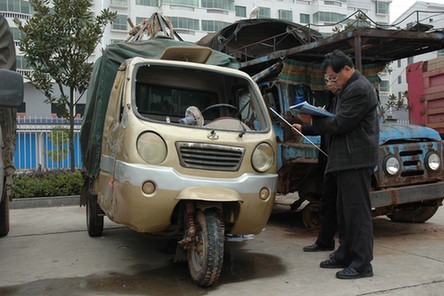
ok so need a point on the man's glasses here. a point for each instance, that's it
(333, 80)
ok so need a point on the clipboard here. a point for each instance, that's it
(307, 108)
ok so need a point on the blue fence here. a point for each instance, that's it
(43, 144)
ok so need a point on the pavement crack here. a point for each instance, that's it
(385, 291)
(412, 254)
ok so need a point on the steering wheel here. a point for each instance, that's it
(220, 106)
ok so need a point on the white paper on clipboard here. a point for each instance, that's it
(306, 108)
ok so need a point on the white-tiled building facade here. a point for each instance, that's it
(193, 19)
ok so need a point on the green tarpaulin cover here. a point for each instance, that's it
(102, 79)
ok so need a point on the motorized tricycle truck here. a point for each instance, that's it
(186, 149)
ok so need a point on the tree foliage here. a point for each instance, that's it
(57, 41)
(59, 138)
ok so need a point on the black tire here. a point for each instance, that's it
(418, 214)
(94, 216)
(205, 256)
(4, 217)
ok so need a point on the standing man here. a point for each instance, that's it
(326, 236)
(353, 154)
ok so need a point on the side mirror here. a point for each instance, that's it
(11, 88)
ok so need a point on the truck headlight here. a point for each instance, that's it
(152, 148)
(263, 157)
(433, 161)
(391, 165)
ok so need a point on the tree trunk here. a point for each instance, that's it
(71, 130)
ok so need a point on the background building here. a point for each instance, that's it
(430, 16)
(193, 19)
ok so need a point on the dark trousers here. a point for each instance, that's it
(355, 225)
(327, 213)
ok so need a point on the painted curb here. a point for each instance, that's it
(44, 202)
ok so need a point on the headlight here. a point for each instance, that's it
(433, 162)
(151, 148)
(263, 157)
(391, 165)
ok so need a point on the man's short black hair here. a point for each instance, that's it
(337, 60)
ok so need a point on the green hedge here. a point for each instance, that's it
(46, 183)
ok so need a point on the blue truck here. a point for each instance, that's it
(408, 183)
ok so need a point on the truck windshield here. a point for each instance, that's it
(196, 98)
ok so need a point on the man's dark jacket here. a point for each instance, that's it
(354, 129)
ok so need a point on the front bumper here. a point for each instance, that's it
(407, 194)
(152, 212)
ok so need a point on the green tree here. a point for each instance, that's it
(59, 137)
(57, 41)
(396, 103)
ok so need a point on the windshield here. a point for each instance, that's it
(196, 98)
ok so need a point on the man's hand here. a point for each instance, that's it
(305, 118)
(296, 126)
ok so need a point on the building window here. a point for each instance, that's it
(440, 53)
(241, 11)
(220, 4)
(119, 2)
(16, 33)
(21, 63)
(58, 110)
(410, 60)
(154, 3)
(334, 2)
(384, 86)
(399, 63)
(382, 7)
(264, 12)
(399, 95)
(194, 3)
(140, 20)
(120, 22)
(80, 109)
(399, 79)
(328, 17)
(184, 23)
(213, 26)
(304, 18)
(286, 15)
(22, 108)
(20, 6)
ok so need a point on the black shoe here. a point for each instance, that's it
(351, 273)
(332, 263)
(317, 248)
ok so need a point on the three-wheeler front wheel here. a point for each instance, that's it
(205, 255)
(94, 216)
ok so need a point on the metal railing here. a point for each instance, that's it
(42, 143)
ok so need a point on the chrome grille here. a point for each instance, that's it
(209, 156)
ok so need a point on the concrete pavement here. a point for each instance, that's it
(48, 252)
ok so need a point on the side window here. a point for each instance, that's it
(271, 98)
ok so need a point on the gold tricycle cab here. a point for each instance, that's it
(188, 150)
